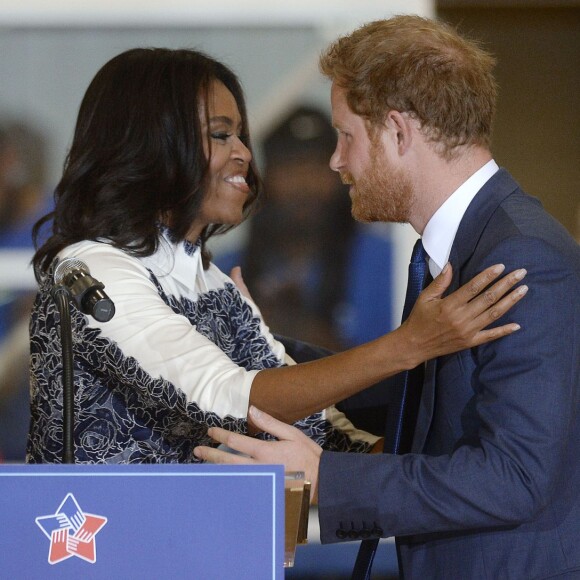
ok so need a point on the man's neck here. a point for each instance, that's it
(439, 178)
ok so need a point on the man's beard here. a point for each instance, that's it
(382, 194)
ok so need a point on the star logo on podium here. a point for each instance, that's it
(71, 532)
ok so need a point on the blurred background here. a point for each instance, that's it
(316, 274)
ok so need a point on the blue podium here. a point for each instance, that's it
(142, 521)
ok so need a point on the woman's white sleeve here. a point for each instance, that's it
(164, 343)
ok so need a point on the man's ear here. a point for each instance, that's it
(400, 128)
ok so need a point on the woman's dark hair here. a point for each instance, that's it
(137, 154)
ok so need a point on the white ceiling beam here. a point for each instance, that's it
(202, 13)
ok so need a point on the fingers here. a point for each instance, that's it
(489, 305)
(484, 336)
(475, 286)
(265, 422)
(248, 446)
(482, 297)
(217, 456)
(232, 440)
(236, 441)
(456, 322)
(253, 448)
(473, 292)
(496, 311)
(439, 285)
(294, 449)
(486, 300)
(236, 276)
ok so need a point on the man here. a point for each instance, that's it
(491, 487)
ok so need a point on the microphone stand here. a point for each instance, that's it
(62, 296)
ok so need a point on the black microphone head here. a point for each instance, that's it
(87, 292)
(66, 266)
(103, 309)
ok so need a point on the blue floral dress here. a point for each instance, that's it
(179, 356)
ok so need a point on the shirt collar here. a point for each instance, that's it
(180, 259)
(440, 231)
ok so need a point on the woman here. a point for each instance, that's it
(160, 161)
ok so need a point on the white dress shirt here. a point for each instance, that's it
(440, 231)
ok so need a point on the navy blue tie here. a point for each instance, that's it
(398, 434)
(402, 414)
(418, 269)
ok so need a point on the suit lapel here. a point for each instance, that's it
(475, 220)
(472, 225)
(426, 407)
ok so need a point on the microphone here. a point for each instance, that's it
(88, 293)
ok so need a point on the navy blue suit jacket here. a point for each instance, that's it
(492, 488)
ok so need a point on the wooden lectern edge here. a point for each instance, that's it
(296, 511)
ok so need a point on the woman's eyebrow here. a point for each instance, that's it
(222, 119)
(225, 120)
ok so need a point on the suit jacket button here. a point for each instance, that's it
(341, 534)
(366, 533)
(353, 535)
(377, 532)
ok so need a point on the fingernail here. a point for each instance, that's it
(521, 273)
(516, 327)
(445, 269)
(498, 268)
(255, 413)
(522, 290)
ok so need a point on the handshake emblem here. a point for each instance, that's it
(71, 532)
